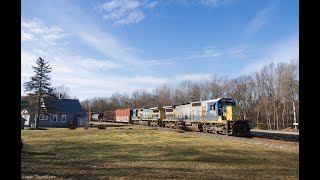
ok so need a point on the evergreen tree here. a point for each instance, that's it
(39, 85)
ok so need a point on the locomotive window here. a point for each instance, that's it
(212, 107)
(196, 104)
(229, 102)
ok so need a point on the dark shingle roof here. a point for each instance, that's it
(62, 105)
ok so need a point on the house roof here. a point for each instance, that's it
(62, 105)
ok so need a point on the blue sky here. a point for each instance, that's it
(97, 48)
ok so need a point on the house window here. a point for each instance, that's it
(41, 117)
(64, 118)
(54, 118)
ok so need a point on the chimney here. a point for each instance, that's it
(60, 96)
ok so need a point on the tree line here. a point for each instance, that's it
(266, 97)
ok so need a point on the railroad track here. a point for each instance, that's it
(278, 135)
(269, 142)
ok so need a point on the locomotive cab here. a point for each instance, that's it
(234, 125)
(226, 117)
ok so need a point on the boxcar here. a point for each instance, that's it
(109, 116)
(123, 115)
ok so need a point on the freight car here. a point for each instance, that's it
(108, 116)
(94, 116)
(123, 115)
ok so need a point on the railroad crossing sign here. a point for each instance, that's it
(295, 124)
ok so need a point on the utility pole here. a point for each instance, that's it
(294, 118)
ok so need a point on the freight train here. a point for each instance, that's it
(220, 115)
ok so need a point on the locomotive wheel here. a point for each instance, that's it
(204, 129)
(214, 130)
(224, 131)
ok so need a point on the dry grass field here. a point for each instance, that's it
(138, 152)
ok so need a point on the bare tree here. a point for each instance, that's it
(195, 91)
(62, 91)
(181, 92)
(218, 86)
(163, 95)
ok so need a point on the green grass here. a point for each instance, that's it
(143, 153)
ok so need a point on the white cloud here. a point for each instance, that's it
(152, 4)
(94, 64)
(35, 29)
(27, 36)
(133, 18)
(260, 20)
(193, 77)
(207, 54)
(106, 44)
(146, 80)
(122, 12)
(238, 52)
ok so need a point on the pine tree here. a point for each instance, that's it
(39, 85)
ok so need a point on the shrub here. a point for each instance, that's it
(101, 126)
(72, 126)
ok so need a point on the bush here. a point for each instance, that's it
(72, 126)
(101, 126)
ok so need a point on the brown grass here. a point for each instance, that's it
(144, 153)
